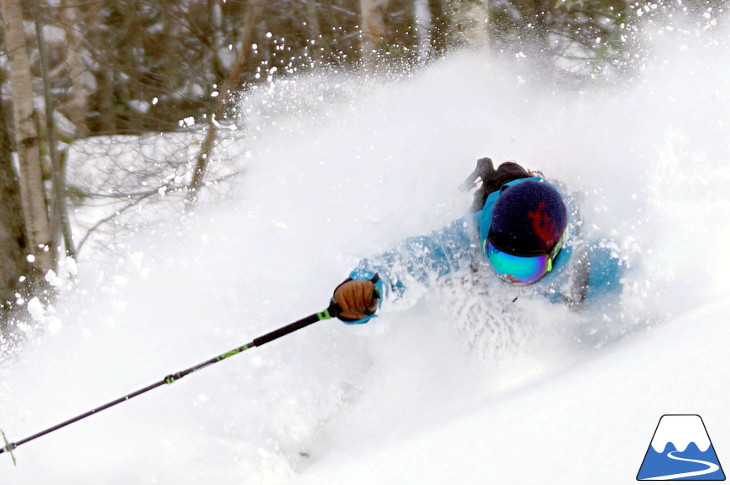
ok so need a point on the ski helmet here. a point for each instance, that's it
(526, 233)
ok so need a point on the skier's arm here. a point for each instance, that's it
(597, 271)
(605, 270)
(419, 259)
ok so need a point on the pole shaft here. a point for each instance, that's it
(86, 414)
(257, 342)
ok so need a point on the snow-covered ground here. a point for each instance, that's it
(339, 168)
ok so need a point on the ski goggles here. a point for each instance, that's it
(522, 269)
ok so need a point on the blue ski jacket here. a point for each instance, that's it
(583, 270)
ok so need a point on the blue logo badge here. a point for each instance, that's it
(681, 450)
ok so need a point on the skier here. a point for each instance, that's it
(522, 228)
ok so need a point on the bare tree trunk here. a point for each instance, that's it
(230, 83)
(104, 53)
(77, 106)
(170, 40)
(440, 19)
(422, 18)
(13, 265)
(372, 14)
(59, 220)
(107, 111)
(314, 33)
(26, 138)
(471, 19)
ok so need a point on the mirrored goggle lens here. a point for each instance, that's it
(518, 269)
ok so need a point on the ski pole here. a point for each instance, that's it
(330, 312)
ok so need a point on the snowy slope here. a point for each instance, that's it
(591, 424)
(338, 168)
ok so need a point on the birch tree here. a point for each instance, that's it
(373, 30)
(35, 215)
(77, 105)
(423, 27)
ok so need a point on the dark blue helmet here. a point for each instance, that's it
(528, 217)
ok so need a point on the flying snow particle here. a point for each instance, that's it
(71, 267)
(36, 310)
(53, 279)
(54, 325)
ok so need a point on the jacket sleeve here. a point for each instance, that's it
(421, 259)
(597, 270)
(605, 270)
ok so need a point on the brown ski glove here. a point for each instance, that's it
(356, 299)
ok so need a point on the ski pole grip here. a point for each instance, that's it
(286, 330)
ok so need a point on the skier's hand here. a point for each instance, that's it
(356, 299)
